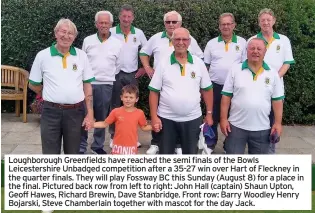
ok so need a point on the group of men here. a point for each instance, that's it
(241, 83)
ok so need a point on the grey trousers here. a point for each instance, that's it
(102, 94)
(57, 124)
(257, 141)
(186, 133)
(122, 79)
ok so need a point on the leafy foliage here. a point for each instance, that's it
(27, 27)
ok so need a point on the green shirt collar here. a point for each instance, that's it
(119, 31)
(245, 66)
(164, 35)
(99, 38)
(234, 38)
(260, 35)
(174, 60)
(55, 52)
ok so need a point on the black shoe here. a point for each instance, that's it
(99, 152)
(81, 153)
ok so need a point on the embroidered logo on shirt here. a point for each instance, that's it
(120, 118)
(278, 48)
(193, 74)
(267, 81)
(237, 48)
(134, 39)
(74, 67)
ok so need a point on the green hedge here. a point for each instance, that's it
(27, 27)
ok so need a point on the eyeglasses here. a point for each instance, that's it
(226, 25)
(169, 22)
(63, 33)
(177, 40)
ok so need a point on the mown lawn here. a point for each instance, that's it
(112, 211)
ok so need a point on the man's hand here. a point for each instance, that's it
(225, 126)
(156, 124)
(150, 71)
(141, 72)
(276, 128)
(208, 119)
(88, 121)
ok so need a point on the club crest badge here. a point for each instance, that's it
(237, 48)
(193, 74)
(134, 39)
(267, 81)
(74, 67)
(278, 48)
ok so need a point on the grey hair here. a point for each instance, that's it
(104, 13)
(127, 7)
(225, 15)
(256, 39)
(179, 17)
(267, 11)
(69, 23)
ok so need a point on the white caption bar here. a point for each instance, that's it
(142, 182)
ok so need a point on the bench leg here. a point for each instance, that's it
(17, 108)
(24, 111)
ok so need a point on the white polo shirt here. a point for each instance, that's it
(221, 55)
(62, 75)
(279, 51)
(179, 87)
(131, 46)
(104, 57)
(251, 96)
(160, 45)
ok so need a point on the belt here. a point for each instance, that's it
(65, 106)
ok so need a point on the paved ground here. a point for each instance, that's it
(24, 138)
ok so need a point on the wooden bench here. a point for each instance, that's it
(17, 78)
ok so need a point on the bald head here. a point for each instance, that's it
(181, 40)
(182, 31)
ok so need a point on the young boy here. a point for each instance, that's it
(126, 119)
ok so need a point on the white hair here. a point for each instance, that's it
(179, 17)
(104, 13)
(69, 23)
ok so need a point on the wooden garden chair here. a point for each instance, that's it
(15, 81)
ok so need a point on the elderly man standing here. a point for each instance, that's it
(104, 52)
(220, 53)
(161, 45)
(250, 88)
(179, 78)
(66, 75)
(279, 54)
(133, 39)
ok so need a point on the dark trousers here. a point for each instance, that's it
(272, 149)
(217, 89)
(257, 141)
(187, 132)
(57, 124)
(102, 94)
(122, 79)
(156, 137)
